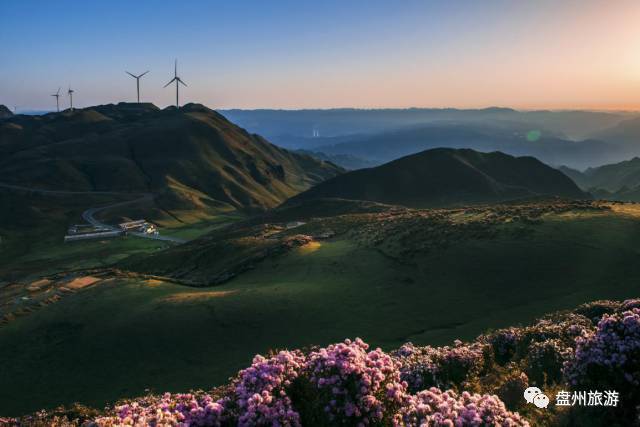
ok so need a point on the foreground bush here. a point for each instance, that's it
(609, 359)
(442, 367)
(596, 347)
(435, 407)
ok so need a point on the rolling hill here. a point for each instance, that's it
(444, 177)
(192, 158)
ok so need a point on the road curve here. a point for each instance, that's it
(88, 215)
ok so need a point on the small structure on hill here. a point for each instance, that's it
(132, 225)
(89, 232)
(139, 226)
(85, 228)
(94, 235)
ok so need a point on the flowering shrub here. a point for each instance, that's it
(435, 407)
(346, 384)
(504, 344)
(545, 360)
(444, 367)
(565, 327)
(167, 410)
(596, 309)
(512, 389)
(630, 304)
(355, 386)
(609, 358)
(261, 390)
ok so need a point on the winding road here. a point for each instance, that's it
(88, 215)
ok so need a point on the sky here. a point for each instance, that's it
(308, 54)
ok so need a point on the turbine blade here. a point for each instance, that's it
(172, 80)
(59, 91)
(175, 70)
(143, 74)
(131, 74)
(181, 81)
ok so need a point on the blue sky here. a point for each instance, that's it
(302, 54)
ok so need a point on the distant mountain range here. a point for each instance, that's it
(625, 132)
(193, 158)
(578, 139)
(508, 138)
(446, 177)
(618, 181)
(296, 128)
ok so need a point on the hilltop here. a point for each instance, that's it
(5, 112)
(445, 176)
(192, 158)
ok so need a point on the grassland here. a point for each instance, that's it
(32, 227)
(121, 337)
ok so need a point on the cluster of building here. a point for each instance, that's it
(90, 232)
(139, 226)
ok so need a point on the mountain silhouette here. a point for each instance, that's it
(445, 177)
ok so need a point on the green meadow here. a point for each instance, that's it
(121, 337)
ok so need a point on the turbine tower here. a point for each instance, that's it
(57, 96)
(70, 92)
(137, 82)
(178, 80)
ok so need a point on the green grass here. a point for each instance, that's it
(117, 339)
(193, 231)
(32, 229)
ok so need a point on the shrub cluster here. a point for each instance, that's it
(595, 347)
(442, 367)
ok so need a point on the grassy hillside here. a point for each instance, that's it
(389, 276)
(32, 227)
(199, 170)
(444, 176)
(193, 158)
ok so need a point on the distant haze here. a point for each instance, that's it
(287, 54)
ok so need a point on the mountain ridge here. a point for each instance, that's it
(193, 157)
(445, 177)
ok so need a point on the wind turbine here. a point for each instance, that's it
(57, 96)
(70, 92)
(137, 82)
(177, 80)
